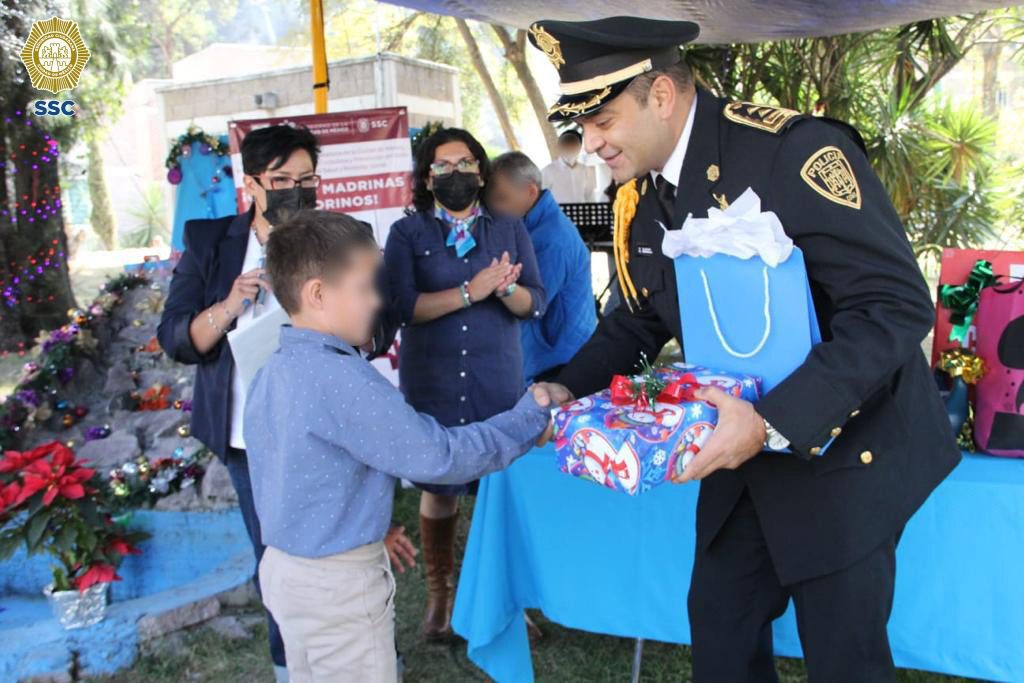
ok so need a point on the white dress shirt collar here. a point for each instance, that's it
(674, 166)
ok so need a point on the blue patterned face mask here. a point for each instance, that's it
(460, 236)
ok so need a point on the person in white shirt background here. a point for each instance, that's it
(569, 179)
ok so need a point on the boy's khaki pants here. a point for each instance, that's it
(336, 613)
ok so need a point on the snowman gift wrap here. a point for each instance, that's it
(642, 431)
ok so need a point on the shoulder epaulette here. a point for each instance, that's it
(761, 116)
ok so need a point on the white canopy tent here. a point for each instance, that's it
(721, 21)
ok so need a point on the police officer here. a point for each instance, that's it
(867, 433)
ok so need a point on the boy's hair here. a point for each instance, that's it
(267, 149)
(311, 244)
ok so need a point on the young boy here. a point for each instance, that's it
(327, 438)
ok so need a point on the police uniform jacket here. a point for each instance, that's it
(865, 395)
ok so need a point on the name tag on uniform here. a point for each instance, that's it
(644, 250)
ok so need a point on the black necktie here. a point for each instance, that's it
(666, 199)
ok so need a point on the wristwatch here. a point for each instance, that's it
(773, 439)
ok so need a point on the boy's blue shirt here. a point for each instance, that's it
(327, 436)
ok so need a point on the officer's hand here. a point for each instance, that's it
(738, 437)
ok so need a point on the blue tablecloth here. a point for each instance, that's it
(601, 561)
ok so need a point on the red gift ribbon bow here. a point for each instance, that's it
(682, 390)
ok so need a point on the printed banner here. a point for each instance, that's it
(365, 162)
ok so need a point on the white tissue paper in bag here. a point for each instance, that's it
(742, 230)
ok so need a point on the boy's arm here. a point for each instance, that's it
(382, 431)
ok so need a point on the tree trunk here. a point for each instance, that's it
(990, 53)
(492, 90)
(102, 215)
(515, 53)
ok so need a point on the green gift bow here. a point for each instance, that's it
(962, 300)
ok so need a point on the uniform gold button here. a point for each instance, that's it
(836, 431)
(645, 292)
(855, 413)
(815, 451)
(866, 457)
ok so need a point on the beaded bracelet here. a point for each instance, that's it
(213, 323)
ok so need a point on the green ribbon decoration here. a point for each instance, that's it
(962, 300)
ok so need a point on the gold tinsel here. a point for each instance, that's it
(962, 363)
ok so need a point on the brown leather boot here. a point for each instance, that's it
(437, 537)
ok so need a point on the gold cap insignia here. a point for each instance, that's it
(54, 55)
(771, 119)
(572, 109)
(829, 173)
(548, 44)
(713, 173)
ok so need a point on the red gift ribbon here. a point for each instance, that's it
(682, 390)
(622, 390)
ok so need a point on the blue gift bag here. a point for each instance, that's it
(746, 317)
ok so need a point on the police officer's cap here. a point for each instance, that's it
(597, 59)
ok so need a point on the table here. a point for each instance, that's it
(600, 561)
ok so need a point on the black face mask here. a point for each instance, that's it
(455, 191)
(283, 202)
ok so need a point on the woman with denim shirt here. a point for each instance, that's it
(460, 278)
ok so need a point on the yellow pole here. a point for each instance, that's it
(321, 84)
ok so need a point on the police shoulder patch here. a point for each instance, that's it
(829, 173)
(762, 116)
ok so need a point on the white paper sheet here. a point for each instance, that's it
(253, 345)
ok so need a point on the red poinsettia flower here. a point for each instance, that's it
(60, 475)
(97, 573)
(9, 494)
(14, 461)
(122, 547)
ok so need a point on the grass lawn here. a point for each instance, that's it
(562, 656)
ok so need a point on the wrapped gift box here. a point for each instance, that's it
(622, 440)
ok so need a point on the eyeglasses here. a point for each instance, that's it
(466, 165)
(284, 182)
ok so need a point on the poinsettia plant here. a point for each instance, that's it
(51, 502)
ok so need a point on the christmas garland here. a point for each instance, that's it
(36, 396)
(141, 482)
(182, 147)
